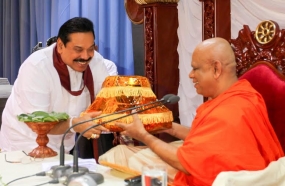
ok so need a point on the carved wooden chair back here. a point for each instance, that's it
(260, 57)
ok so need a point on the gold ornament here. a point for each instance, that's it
(265, 32)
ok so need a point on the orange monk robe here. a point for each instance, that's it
(229, 133)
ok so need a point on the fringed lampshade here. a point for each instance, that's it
(123, 92)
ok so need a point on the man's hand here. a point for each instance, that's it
(93, 132)
(135, 129)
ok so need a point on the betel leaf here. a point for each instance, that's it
(24, 117)
(41, 116)
(60, 116)
(50, 118)
(40, 113)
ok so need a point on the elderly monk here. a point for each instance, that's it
(64, 77)
(230, 132)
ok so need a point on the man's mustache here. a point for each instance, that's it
(82, 60)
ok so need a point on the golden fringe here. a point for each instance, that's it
(145, 118)
(127, 91)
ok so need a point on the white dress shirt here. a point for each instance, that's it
(38, 88)
(111, 67)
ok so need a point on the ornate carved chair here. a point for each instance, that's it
(260, 56)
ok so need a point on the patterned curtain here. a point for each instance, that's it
(24, 23)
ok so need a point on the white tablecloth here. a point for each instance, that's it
(11, 171)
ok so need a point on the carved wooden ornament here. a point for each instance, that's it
(267, 43)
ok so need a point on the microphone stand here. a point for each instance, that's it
(164, 99)
(97, 177)
(61, 169)
(75, 151)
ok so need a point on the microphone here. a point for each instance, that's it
(59, 170)
(88, 180)
(171, 99)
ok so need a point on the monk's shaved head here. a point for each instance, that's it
(218, 49)
(214, 67)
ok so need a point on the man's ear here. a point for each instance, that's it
(217, 69)
(59, 44)
(96, 47)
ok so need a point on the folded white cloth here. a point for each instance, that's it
(135, 157)
(272, 175)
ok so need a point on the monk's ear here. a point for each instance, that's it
(217, 68)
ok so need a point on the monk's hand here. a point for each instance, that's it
(168, 131)
(92, 133)
(135, 129)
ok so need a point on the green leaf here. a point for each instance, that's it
(50, 118)
(41, 116)
(60, 116)
(40, 113)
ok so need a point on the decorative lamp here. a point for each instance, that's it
(123, 92)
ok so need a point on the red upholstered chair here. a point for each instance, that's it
(260, 57)
(271, 85)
